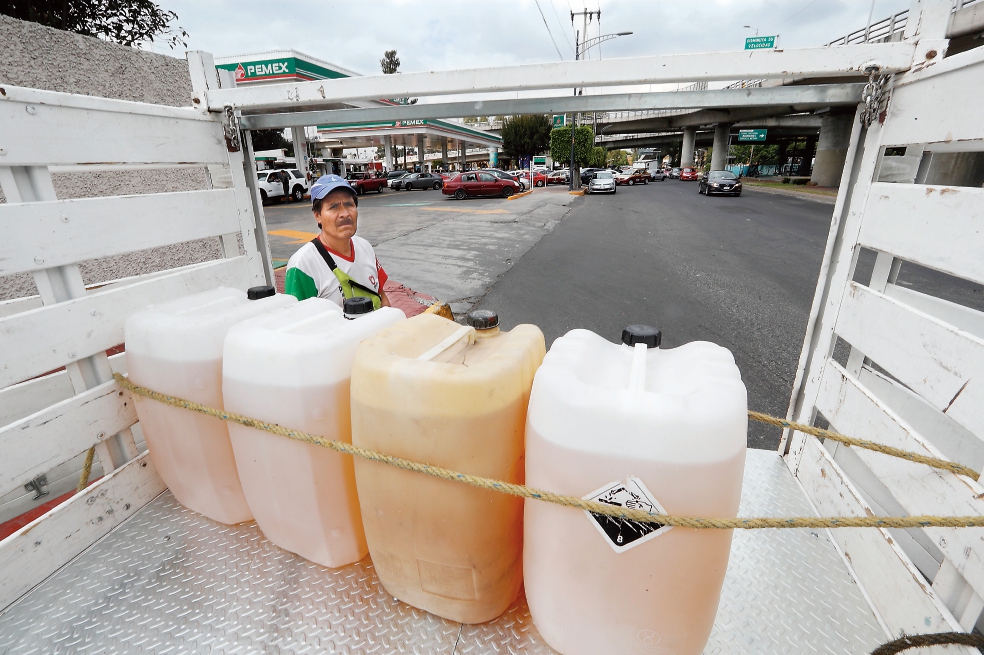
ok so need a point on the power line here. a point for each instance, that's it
(562, 30)
(793, 14)
(540, 9)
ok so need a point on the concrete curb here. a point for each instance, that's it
(519, 195)
(579, 192)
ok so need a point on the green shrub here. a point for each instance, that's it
(785, 180)
(801, 181)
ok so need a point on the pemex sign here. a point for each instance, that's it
(284, 68)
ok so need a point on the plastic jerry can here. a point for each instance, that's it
(635, 426)
(430, 390)
(176, 348)
(292, 367)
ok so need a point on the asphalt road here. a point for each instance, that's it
(739, 272)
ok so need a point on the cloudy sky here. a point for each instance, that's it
(438, 35)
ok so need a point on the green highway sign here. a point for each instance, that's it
(752, 135)
(760, 42)
(560, 121)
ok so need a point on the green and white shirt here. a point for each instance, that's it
(308, 275)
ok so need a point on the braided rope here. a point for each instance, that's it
(922, 641)
(959, 469)
(561, 499)
(86, 470)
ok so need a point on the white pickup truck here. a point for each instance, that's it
(271, 184)
(121, 566)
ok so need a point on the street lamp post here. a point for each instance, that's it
(579, 49)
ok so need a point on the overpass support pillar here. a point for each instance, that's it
(461, 155)
(835, 137)
(388, 145)
(444, 153)
(719, 156)
(687, 151)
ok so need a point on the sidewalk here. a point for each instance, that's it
(400, 296)
(818, 194)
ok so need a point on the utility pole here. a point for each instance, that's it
(586, 17)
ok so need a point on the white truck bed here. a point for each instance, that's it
(171, 581)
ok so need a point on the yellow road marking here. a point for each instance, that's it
(296, 235)
(464, 211)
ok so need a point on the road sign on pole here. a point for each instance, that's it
(752, 135)
(760, 42)
(560, 121)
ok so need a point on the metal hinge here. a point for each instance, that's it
(37, 486)
(230, 127)
(874, 96)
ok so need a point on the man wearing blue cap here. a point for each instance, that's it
(336, 264)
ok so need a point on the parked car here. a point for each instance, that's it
(539, 179)
(587, 174)
(363, 182)
(480, 183)
(689, 175)
(523, 181)
(418, 181)
(271, 184)
(559, 177)
(719, 182)
(657, 175)
(631, 178)
(393, 181)
(502, 175)
(674, 173)
(601, 182)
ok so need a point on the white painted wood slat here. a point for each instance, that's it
(853, 409)
(21, 400)
(59, 129)
(940, 362)
(939, 104)
(959, 316)
(39, 235)
(898, 592)
(54, 435)
(40, 548)
(41, 340)
(938, 227)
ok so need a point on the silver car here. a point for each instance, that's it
(602, 182)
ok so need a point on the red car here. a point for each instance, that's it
(539, 179)
(689, 175)
(479, 183)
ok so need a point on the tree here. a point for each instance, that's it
(390, 63)
(597, 158)
(617, 158)
(560, 144)
(271, 140)
(525, 136)
(126, 22)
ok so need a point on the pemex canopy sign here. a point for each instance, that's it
(284, 68)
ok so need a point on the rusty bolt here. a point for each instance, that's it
(101, 436)
(943, 542)
(3, 91)
(196, 101)
(931, 54)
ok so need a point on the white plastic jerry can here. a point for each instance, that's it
(176, 348)
(634, 426)
(292, 367)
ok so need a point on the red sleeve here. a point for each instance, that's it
(381, 274)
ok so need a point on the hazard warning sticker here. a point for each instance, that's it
(622, 534)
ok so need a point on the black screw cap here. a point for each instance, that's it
(357, 305)
(646, 334)
(255, 293)
(483, 319)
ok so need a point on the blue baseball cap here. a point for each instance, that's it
(328, 183)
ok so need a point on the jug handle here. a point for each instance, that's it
(637, 375)
(464, 330)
